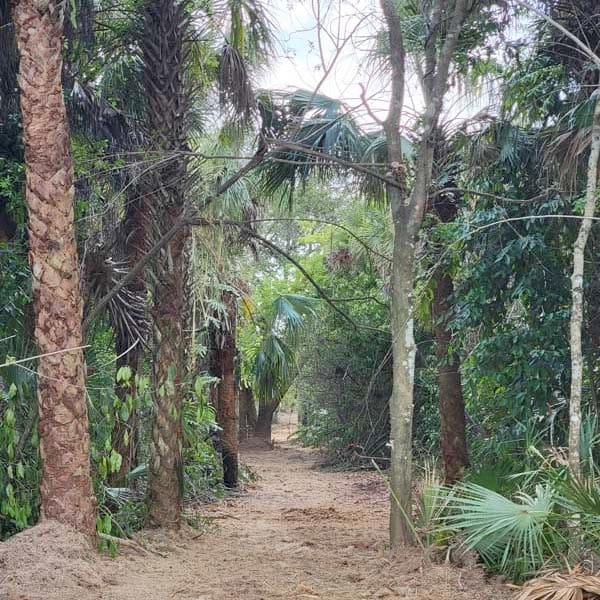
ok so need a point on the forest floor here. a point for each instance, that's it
(299, 532)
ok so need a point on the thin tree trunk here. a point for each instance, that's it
(401, 402)
(591, 197)
(453, 438)
(165, 50)
(226, 405)
(407, 216)
(66, 487)
(402, 323)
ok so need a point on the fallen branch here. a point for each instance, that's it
(128, 543)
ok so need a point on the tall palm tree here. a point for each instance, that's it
(66, 487)
(164, 44)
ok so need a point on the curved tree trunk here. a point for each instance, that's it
(66, 487)
(452, 406)
(164, 45)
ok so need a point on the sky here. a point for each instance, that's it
(331, 56)
(306, 51)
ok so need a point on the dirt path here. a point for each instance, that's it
(298, 533)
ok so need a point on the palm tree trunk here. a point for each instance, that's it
(66, 486)
(452, 406)
(164, 42)
(165, 486)
(453, 440)
(264, 422)
(226, 403)
(248, 415)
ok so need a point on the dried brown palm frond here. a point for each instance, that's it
(127, 309)
(575, 584)
(235, 87)
(566, 151)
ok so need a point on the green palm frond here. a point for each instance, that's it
(250, 29)
(518, 536)
(581, 500)
(315, 131)
(290, 314)
(274, 362)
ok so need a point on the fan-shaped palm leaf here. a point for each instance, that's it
(517, 536)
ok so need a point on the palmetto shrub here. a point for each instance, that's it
(516, 537)
(552, 521)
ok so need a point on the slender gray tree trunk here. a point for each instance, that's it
(403, 345)
(407, 214)
(401, 402)
(591, 198)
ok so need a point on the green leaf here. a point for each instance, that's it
(124, 413)
(115, 461)
(124, 374)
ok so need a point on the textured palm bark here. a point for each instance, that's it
(66, 486)
(165, 486)
(453, 439)
(248, 415)
(591, 198)
(226, 404)
(165, 48)
(264, 422)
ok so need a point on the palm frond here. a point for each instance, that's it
(318, 130)
(574, 585)
(127, 309)
(235, 88)
(519, 536)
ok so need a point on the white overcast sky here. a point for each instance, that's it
(301, 58)
(304, 52)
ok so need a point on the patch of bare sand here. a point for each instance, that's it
(298, 533)
(48, 562)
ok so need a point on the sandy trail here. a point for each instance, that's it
(299, 532)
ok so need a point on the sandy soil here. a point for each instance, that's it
(299, 532)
